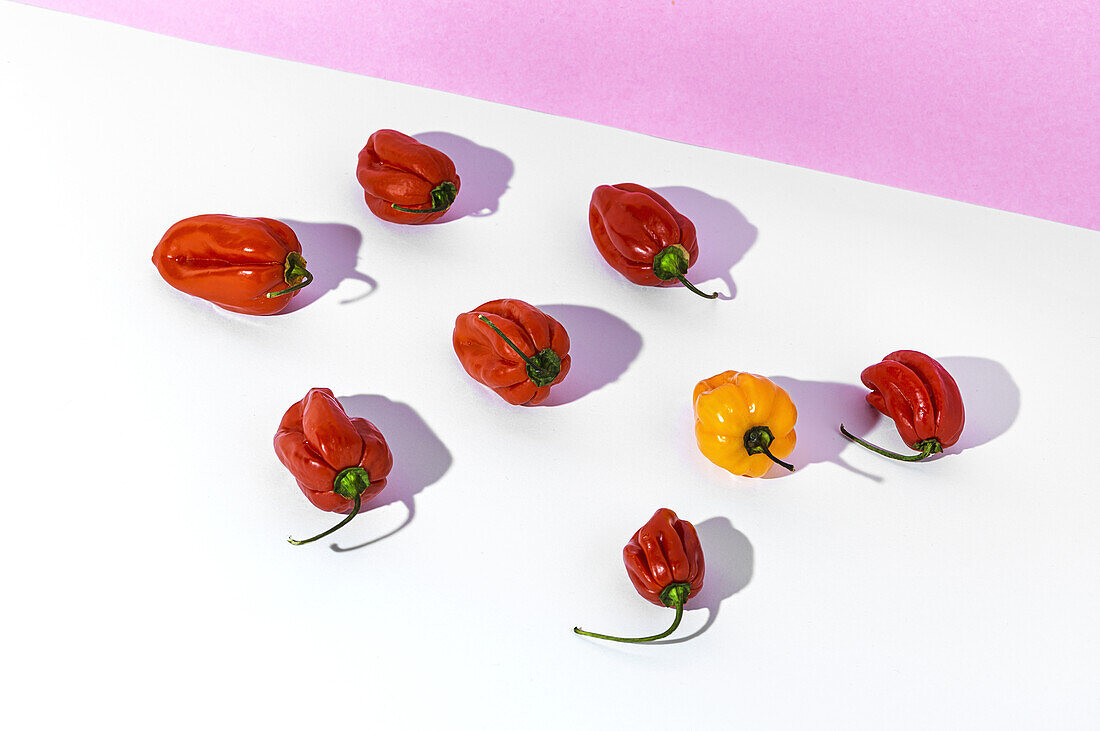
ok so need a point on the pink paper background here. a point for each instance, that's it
(994, 103)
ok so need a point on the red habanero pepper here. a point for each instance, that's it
(514, 348)
(339, 462)
(642, 236)
(249, 265)
(405, 181)
(921, 397)
(665, 563)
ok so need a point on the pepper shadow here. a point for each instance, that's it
(725, 235)
(331, 251)
(729, 567)
(484, 174)
(419, 457)
(991, 399)
(601, 347)
(822, 406)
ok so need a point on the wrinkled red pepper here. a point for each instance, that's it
(405, 181)
(921, 397)
(339, 462)
(665, 563)
(642, 236)
(514, 348)
(249, 265)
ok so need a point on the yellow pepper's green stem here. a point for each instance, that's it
(757, 441)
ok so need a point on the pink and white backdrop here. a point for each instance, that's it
(856, 593)
(992, 103)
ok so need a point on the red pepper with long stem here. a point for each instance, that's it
(514, 348)
(921, 397)
(339, 462)
(405, 181)
(642, 236)
(248, 265)
(665, 563)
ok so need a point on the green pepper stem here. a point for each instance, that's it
(436, 209)
(338, 526)
(443, 195)
(679, 606)
(294, 270)
(305, 282)
(775, 459)
(508, 340)
(671, 262)
(757, 441)
(693, 288)
(928, 447)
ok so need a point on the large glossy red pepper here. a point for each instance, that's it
(339, 462)
(405, 181)
(921, 397)
(642, 236)
(665, 563)
(249, 265)
(514, 348)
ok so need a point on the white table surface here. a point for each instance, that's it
(147, 579)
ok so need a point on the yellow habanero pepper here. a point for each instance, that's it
(743, 423)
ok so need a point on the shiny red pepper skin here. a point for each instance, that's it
(396, 170)
(919, 395)
(317, 442)
(664, 551)
(642, 236)
(491, 361)
(233, 262)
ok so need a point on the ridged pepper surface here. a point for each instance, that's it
(921, 397)
(744, 423)
(642, 236)
(248, 265)
(664, 561)
(405, 181)
(513, 348)
(338, 462)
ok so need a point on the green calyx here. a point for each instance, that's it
(673, 595)
(294, 274)
(542, 369)
(672, 262)
(443, 195)
(757, 441)
(350, 484)
(927, 448)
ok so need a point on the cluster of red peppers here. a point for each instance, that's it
(744, 423)
(255, 265)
